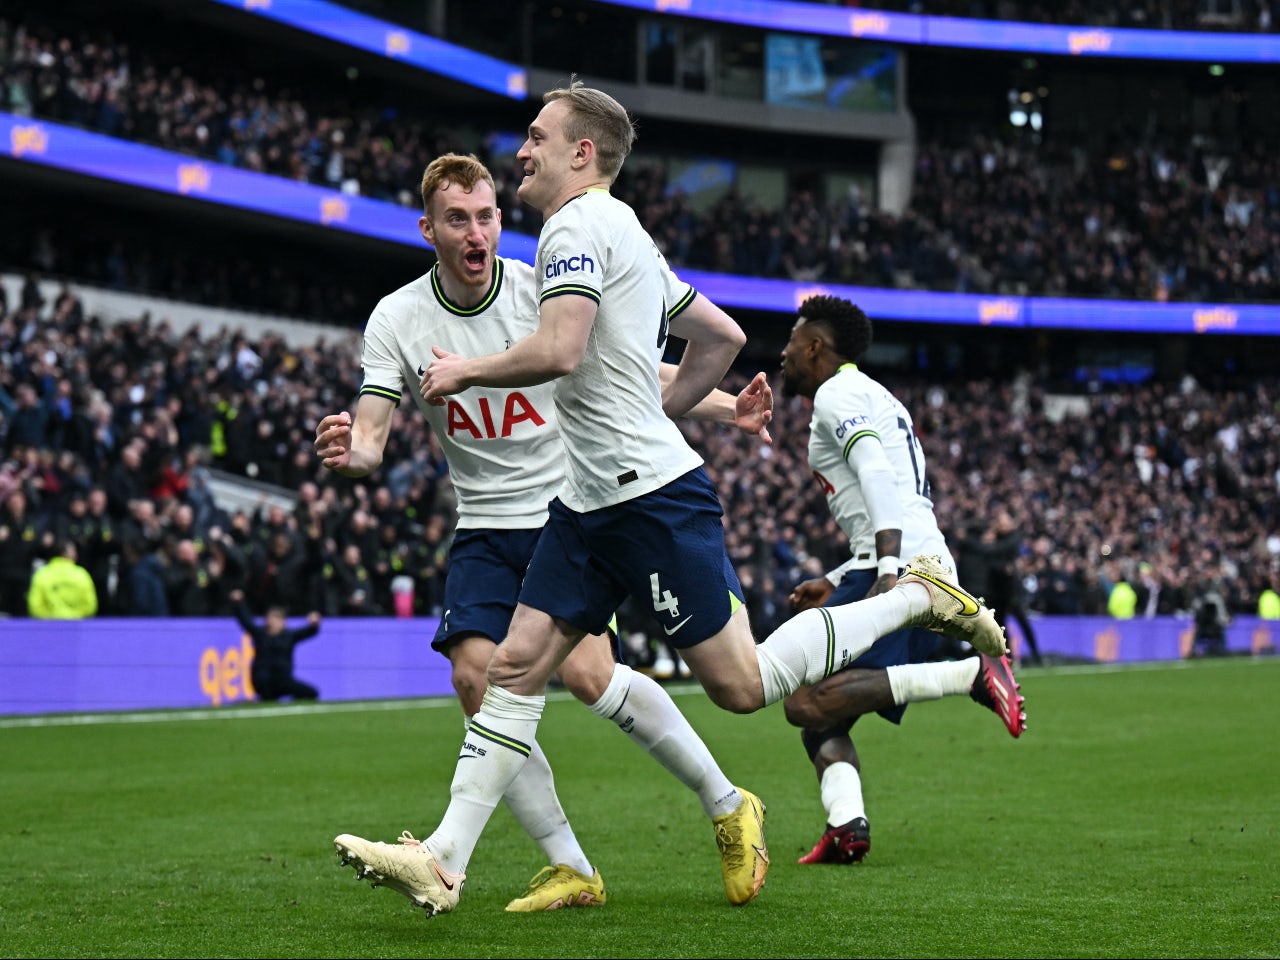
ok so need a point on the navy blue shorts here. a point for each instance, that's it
(665, 549)
(908, 645)
(486, 568)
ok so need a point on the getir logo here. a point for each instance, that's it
(224, 674)
(558, 265)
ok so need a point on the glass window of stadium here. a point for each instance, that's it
(740, 69)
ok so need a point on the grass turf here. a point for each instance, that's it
(1137, 817)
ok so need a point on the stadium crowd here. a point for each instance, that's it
(109, 432)
(1251, 16)
(1135, 216)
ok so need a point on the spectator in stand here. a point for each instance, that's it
(142, 581)
(29, 423)
(351, 584)
(62, 589)
(20, 533)
(1123, 601)
(192, 588)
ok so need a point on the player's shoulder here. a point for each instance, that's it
(516, 272)
(403, 300)
(593, 211)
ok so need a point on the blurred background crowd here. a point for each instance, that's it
(1131, 212)
(113, 432)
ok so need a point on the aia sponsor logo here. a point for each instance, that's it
(483, 422)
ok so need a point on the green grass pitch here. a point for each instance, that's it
(1139, 816)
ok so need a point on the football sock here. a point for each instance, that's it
(912, 682)
(842, 794)
(533, 802)
(647, 714)
(818, 642)
(498, 742)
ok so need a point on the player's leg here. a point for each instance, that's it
(847, 695)
(498, 743)
(742, 676)
(645, 712)
(532, 799)
(847, 837)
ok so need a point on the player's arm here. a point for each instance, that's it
(751, 409)
(553, 350)
(879, 486)
(354, 448)
(714, 339)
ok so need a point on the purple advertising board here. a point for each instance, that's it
(136, 664)
(126, 664)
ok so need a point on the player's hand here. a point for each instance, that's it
(754, 407)
(811, 593)
(333, 440)
(313, 618)
(884, 583)
(444, 376)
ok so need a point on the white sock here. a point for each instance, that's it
(842, 794)
(912, 682)
(532, 800)
(647, 714)
(820, 641)
(498, 743)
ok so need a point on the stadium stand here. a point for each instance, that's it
(1115, 450)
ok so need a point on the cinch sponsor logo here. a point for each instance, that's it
(193, 176)
(1219, 318)
(864, 24)
(850, 423)
(224, 674)
(397, 43)
(1003, 310)
(334, 210)
(1088, 41)
(30, 139)
(580, 262)
(517, 409)
(804, 293)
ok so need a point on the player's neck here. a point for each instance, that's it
(575, 190)
(465, 295)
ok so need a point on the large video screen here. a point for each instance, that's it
(828, 73)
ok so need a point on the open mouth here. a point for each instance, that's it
(476, 258)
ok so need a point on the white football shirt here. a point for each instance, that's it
(857, 421)
(619, 443)
(505, 454)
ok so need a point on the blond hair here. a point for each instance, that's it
(453, 168)
(596, 116)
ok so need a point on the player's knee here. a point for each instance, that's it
(734, 699)
(585, 684)
(800, 712)
(507, 668)
(469, 682)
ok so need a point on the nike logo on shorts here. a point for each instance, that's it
(671, 630)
